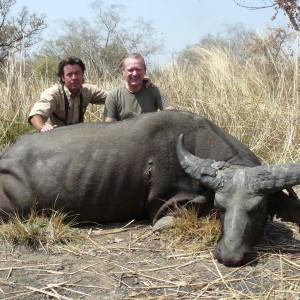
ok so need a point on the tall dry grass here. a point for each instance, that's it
(256, 100)
(19, 89)
(21, 86)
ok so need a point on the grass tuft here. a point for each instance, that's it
(193, 232)
(39, 229)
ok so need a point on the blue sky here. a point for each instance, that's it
(178, 22)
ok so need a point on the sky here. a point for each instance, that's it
(179, 22)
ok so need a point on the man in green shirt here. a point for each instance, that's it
(134, 98)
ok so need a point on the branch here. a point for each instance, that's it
(239, 3)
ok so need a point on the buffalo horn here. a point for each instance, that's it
(204, 170)
(272, 178)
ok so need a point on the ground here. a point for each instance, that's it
(133, 262)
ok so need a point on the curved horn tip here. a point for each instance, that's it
(180, 145)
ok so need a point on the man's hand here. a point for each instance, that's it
(38, 123)
(148, 82)
(47, 127)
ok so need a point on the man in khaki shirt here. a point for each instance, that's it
(134, 98)
(65, 103)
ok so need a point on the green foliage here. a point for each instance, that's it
(11, 130)
(45, 66)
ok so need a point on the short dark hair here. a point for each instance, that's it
(135, 56)
(69, 61)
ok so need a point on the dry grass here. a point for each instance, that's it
(38, 229)
(259, 107)
(257, 101)
(135, 263)
(190, 230)
(20, 89)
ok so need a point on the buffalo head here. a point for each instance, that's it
(242, 194)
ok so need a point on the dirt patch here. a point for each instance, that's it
(135, 263)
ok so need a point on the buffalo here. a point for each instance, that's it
(139, 168)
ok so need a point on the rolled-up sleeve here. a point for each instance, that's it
(97, 96)
(45, 105)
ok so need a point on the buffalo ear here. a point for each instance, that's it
(284, 207)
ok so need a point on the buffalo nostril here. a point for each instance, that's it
(234, 260)
(247, 257)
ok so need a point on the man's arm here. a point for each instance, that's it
(110, 110)
(97, 95)
(38, 123)
(43, 108)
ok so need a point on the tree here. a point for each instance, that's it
(104, 42)
(235, 39)
(18, 32)
(290, 8)
(269, 50)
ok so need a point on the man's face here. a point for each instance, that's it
(134, 72)
(73, 78)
